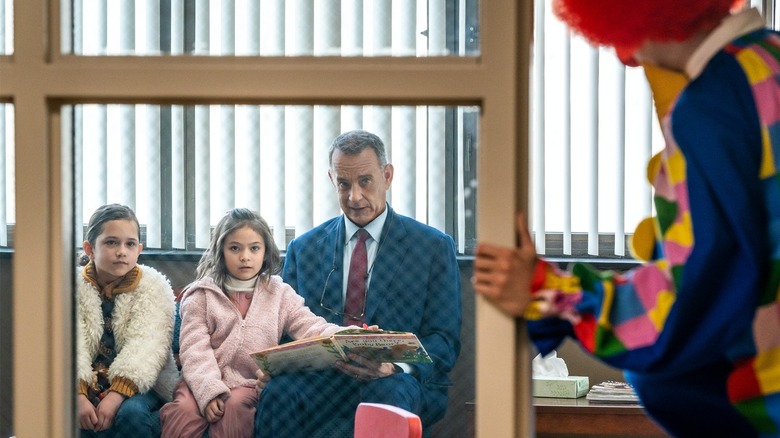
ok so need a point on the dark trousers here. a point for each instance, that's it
(323, 404)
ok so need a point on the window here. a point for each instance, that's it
(54, 90)
(593, 131)
(182, 167)
(7, 211)
(272, 28)
(6, 27)
(283, 145)
(592, 118)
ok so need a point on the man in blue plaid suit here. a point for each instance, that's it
(413, 285)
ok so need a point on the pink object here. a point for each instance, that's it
(376, 420)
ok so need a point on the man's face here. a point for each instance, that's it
(361, 183)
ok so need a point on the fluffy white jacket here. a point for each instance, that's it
(143, 327)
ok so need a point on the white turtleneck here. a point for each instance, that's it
(240, 292)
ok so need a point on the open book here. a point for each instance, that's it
(324, 351)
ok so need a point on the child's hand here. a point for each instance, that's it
(86, 413)
(106, 410)
(262, 380)
(214, 410)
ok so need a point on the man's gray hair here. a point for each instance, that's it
(354, 142)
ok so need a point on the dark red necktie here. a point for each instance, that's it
(355, 303)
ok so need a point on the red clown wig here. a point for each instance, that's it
(625, 24)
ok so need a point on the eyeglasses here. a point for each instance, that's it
(368, 274)
(358, 318)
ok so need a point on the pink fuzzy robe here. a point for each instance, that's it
(216, 341)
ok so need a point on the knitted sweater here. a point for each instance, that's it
(142, 321)
(216, 341)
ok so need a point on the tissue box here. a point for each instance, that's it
(561, 387)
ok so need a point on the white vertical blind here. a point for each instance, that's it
(326, 127)
(612, 201)
(149, 184)
(460, 195)
(641, 140)
(591, 193)
(326, 28)
(222, 159)
(421, 163)
(615, 156)
(584, 135)
(247, 186)
(403, 156)
(298, 29)
(537, 171)
(202, 26)
(147, 37)
(202, 133)
(378, 119)
(566, 131)
(3, 171)
(178, 179)
(148, 131)
(299, 162)
(5, 48)
(376, 27)
(121, 153)
(404, 25)
(93, 138)
(437, 161)
(177, 27)
(437, 27)
(174, 163)
(351, 27)
(272, 173)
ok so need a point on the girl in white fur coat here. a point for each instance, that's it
(124, 325)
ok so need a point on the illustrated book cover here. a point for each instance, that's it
(324, 351)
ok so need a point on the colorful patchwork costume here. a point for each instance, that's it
(697, 328)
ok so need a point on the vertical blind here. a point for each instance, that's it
(593, 132)
(7, 186)
(182, 167)
(591, 119)
(169, 161)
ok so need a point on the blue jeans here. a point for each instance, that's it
(138, 416)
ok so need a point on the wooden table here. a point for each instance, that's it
(567, 416)
(580, 417)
